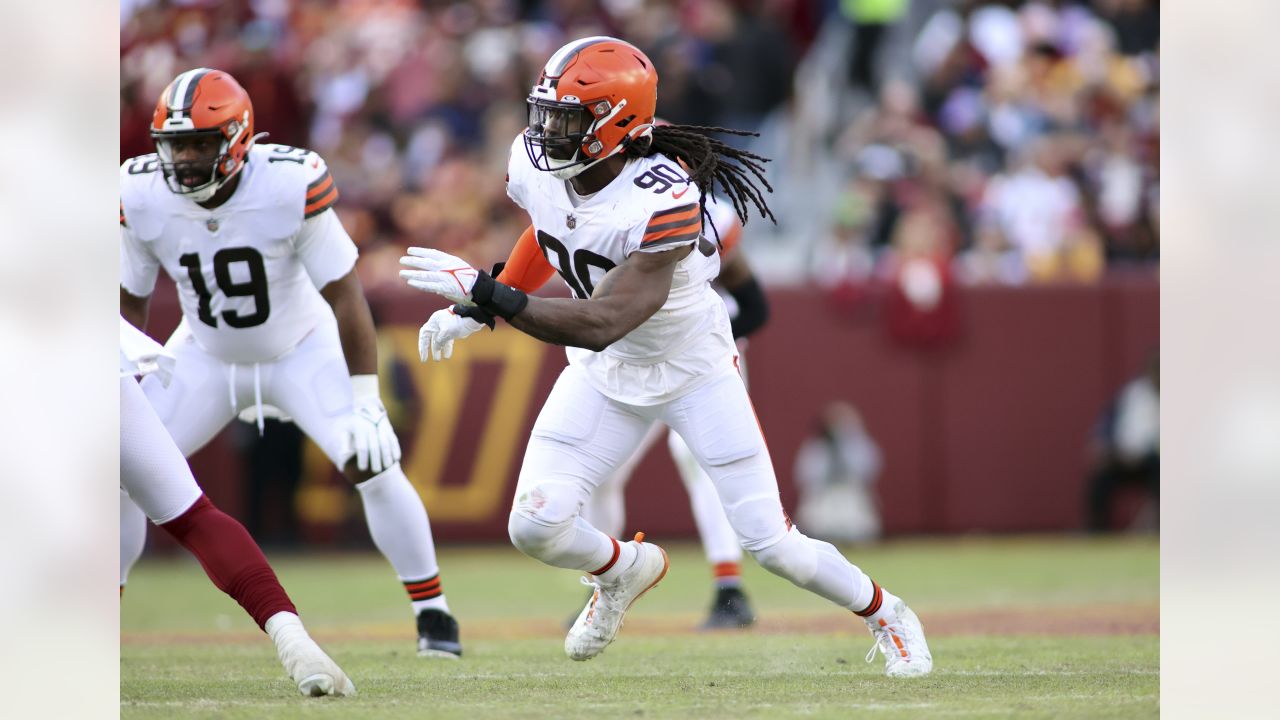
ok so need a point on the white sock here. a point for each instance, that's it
(399, 527)
(626, 558)
(133, 535)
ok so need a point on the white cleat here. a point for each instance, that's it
(315, 672)
(600, 620)
(906, 654)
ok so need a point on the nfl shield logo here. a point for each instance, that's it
(571, 221)
(212, 224)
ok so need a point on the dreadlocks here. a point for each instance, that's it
(711, 162)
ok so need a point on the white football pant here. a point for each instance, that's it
(581, 437)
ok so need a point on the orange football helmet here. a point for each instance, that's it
(595, 96)
(202, 108)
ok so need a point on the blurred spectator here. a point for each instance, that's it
(871, 21)
(415, 102)
(835, 469)
(1126, 448)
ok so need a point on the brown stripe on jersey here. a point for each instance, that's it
(672, 240)
(321, 203)
(673, 222)
(672, 211)
(319, 185)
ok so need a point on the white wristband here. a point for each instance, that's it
(364, 387)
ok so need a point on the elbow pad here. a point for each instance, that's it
(496, 298)
(753, 308)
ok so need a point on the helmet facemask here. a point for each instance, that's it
(561, 134)
(197, 163)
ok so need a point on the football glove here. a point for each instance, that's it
(440, 273)
(435, 339)
(374, 440)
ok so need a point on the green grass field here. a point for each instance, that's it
(1019, 628)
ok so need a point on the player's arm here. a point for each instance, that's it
(139, 268)
(627, 296)
(753, 306)
(134, 309)
(526, 269)
(355, 323)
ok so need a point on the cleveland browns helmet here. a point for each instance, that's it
(202, 104)
(595, 96)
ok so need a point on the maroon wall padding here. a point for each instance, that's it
(986, 433)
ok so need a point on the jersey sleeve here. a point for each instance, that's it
(325, 248)
(139, 266)
(667, 229)
(517, 161)
(322, 192)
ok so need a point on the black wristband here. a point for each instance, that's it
(496, 298)
(476, 313)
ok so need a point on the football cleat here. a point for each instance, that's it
(315, 673)
(438, 635)
(730, 609)
(600, 620)
(901, 641)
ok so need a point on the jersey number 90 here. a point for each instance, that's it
(255, 286)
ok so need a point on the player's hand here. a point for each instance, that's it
(435, 339)
(376, 445)
(440, 273)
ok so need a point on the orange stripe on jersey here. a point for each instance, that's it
(321, 195)
(122, 220)
(672, 226)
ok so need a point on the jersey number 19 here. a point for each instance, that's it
(255, 286)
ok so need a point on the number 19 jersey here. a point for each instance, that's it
(651, 206)
(249, 271)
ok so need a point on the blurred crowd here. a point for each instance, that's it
(1007, 141)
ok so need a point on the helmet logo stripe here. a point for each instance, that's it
(556, 65)
(184, 91)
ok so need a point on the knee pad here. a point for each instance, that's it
(539, 518)
(793, 557)
(529, 536)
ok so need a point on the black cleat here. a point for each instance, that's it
(730, 609)
(438, 635)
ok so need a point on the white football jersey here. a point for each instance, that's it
(249, 271)
(650, 207)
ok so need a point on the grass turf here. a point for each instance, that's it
(189, 651)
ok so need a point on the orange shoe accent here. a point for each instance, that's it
(896, 640)
(639, 537)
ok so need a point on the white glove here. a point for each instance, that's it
(371, 433)
(439, 273)
(435, 339)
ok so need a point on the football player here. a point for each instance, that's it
(154, 473)
(606, 510)
(648, 340)
(274, 315)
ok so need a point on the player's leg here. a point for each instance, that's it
(730, 607)
(581, 437)
(193, 408)
(133, 535)
(718, 422)
(155, 474)
(311, 385)
(606, 508)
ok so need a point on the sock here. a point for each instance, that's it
(231, 559)
(398, 524)
(133, 536)
(624, 556)
(727, 574)
(425, 594)
(881, 603)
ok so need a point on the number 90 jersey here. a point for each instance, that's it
(650, 207)
(249, 271)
